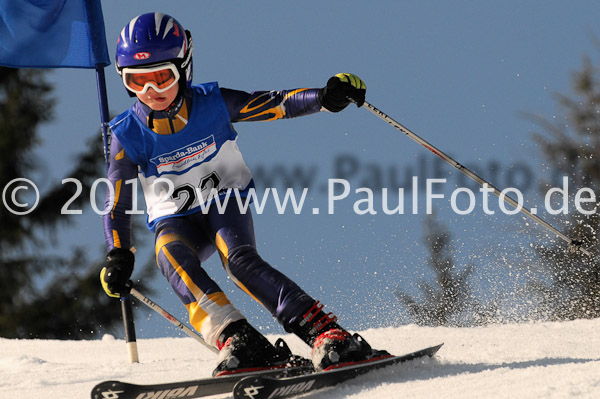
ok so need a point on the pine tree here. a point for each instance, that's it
(572, 286)
(43, 295)
(448, 302)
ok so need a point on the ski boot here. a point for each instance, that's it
(332, 345)
(244, 349)
(337, 348)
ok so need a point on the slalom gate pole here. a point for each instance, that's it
(126, 308)
(573, 245)
(129, 326)
(152, 305)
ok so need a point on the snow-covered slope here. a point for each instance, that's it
(544, 360)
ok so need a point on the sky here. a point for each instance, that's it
(460, 74)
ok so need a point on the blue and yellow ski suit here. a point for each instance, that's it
(179, 155)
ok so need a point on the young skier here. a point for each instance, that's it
(178, 139)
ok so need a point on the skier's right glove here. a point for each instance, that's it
(114, 277)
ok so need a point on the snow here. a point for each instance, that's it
(537, 360)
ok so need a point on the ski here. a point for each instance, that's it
(186, 389)
(265, 387)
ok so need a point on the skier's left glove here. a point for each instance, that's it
(114, 277)
(341, 89)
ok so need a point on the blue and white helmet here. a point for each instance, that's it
(155, 38)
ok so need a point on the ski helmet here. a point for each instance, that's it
(154, 38)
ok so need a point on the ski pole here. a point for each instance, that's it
(152, 305)
(573, 244)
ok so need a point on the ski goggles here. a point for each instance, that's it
(161, 78)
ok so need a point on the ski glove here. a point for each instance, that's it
(341, 89)
(114, 277)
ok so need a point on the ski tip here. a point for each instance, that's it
(103, 388)
(109, 384)
(433, 350)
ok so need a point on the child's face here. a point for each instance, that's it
(159, 101)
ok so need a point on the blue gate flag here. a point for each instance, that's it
(52, 34)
